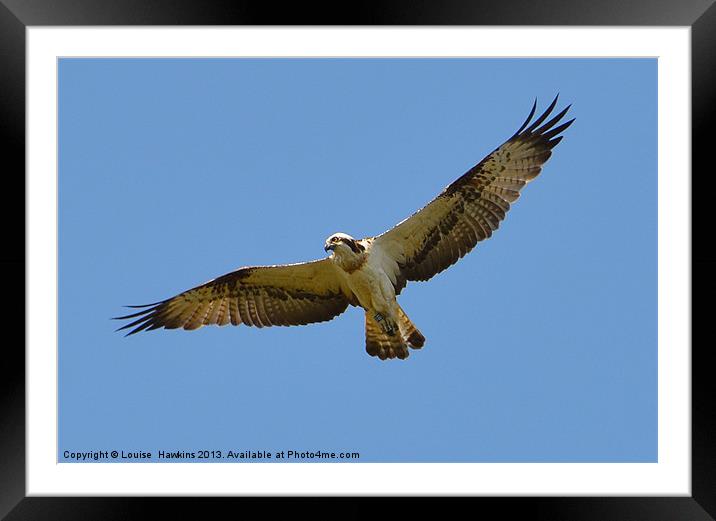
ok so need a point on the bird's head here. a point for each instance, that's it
(343, 244)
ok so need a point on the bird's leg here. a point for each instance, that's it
(387, 325)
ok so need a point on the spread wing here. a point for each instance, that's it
(285, 295)
(471, 209)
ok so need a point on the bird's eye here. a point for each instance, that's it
(334, 239)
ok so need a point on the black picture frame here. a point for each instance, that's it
(16, 15)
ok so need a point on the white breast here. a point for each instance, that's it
(372, 284)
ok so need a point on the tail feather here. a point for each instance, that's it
(384, 346)
(408, 330)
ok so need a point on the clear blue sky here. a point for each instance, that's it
(541, 343)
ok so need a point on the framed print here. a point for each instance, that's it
(553, 367)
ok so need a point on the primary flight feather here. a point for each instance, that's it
(371, 272)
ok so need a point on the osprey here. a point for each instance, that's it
(371, 272)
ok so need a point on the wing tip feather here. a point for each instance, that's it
(527, 121)
(534, 128)
(555, 131)
(544, 115)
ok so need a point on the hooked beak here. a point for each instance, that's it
(329, 247)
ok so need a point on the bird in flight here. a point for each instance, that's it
(371, 272)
